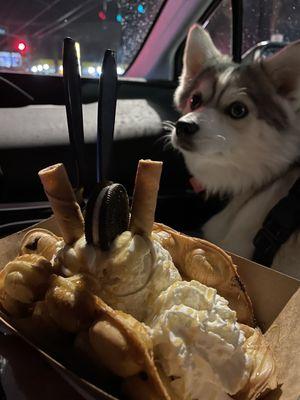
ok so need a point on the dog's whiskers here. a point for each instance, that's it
(168, 126)
(165, 140)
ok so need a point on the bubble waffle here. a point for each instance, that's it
(204, 262)
(25, 280)
(39, 241)
(127, 346)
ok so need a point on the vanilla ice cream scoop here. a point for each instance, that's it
(81, 257)
(198, 342)
(132, 273)
(135, 273)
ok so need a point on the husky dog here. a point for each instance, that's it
(240, 135)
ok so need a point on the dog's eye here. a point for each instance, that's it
(196, 101)
(237, 110)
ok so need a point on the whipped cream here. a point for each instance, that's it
(198, 342)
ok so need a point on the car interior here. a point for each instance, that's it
(148, 38)
(34, 130)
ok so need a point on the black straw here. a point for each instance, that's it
(72, 85)
(107, 99)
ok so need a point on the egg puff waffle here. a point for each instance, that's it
(129, 336)
(58, 306)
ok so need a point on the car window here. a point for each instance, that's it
(31, 32)
(274, 20)
(219, 27)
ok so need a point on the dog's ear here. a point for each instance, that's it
(199, 51)
(284, 69)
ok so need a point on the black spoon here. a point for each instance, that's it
(107, 99)
(72, 86)
(107, 211)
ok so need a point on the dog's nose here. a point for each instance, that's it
(186, 128)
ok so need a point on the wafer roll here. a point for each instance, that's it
(145, 196)
(63, 202)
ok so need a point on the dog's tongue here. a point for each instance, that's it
(196, 185)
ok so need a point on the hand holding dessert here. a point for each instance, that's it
(140, 298)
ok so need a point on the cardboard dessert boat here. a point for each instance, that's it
(276, 302)
(271, 294)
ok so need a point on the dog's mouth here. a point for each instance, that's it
(183, 143)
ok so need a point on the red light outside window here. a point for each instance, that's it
(21, 45)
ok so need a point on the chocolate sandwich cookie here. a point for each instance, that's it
(107, 215)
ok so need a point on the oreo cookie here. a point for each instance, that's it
(107, 215)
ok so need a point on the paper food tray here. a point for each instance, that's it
(276, 302)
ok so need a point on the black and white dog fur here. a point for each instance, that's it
(240, 135)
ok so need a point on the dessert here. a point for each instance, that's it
(39, 241)
(150, 306)
(24, 281)
(202, 261)
(198, 342)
